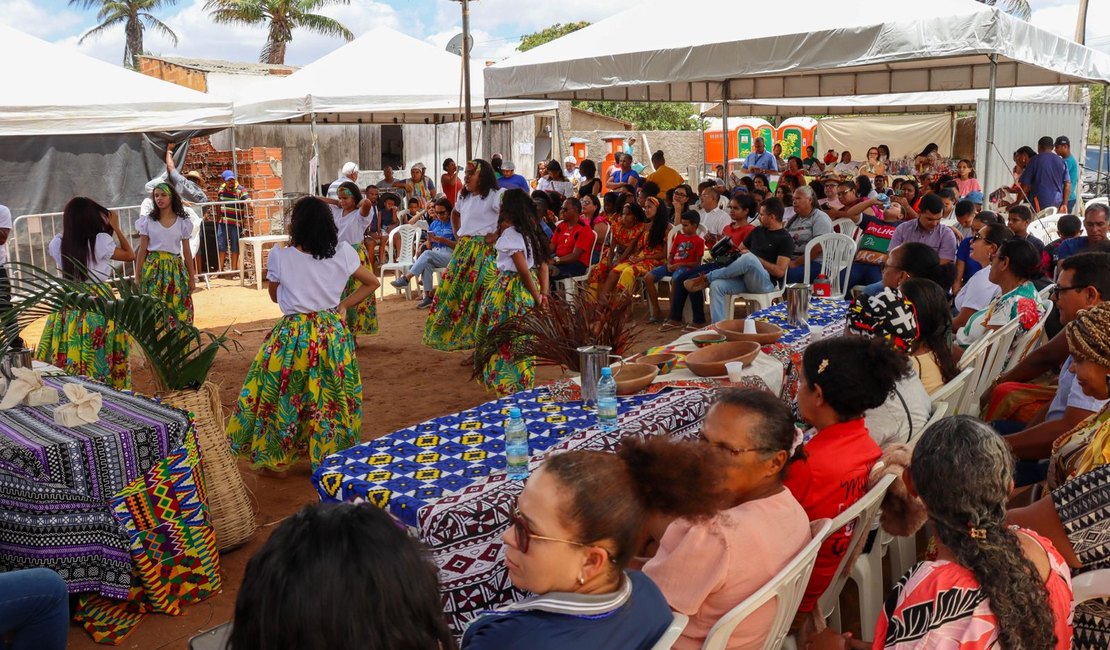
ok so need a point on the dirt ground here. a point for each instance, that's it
(404, 383)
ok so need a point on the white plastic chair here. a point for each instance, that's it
(1090, 585)
(406, 257)
(999, 355)
(1050, 211)
(788, 587)
(950, 393)
(761, 300)
(678, 624)
(837, 253)
(569, 286)
(976, 358)
(213, 639)
(1045, 228)
(846, 226)
(1027, 342)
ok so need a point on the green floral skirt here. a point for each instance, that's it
(508, 298)
(363, 317)
(87, 345)
(452, 324)
(165, 277)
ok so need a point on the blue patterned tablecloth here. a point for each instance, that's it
(827, 313)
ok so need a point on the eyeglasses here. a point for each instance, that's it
(732, 450)
(1055, 291)
(884, 266)
(524, 534)
(977, 237)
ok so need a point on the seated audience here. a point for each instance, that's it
(626, 226)
(833, 396)
(713, 218)
(932, 353)
(854, 205)
(1095, 221)
(1068, 227)
(705, 568)
(436, 253)
(966, 182)
(807, 223)
(647, 252)
(911, 260)
(510, 179)
(967, 266)
(979, 291)
(873, 246)
(964, 213)
(1014, 266)
(1018, 218)
(684, 257)
(574, 530)
(571, 242)
(991, 585)
(926, 229)
(890, 318)
(664, 177)
(908, 195)
(385, 599)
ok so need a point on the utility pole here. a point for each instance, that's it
(466, 75)
(1081, 38)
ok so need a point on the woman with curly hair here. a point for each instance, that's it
(303, 393)
(647, 252)
(991, 585)
(164, 261)
(79, 342)
(452, 323)
(515, 289)
(351, 213)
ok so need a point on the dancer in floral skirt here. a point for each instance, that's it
(352, 217)
(163, 243)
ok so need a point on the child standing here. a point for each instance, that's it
(686, 252)
(351, 214)
(164, 258)
(303, 393)
(515, 289)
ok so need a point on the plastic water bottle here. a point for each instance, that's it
(516, 446)
(607, 401)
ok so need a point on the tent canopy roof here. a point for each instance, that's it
(819, 51)
(336, 90)
(59, 91)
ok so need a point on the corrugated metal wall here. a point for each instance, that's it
(1018, 124)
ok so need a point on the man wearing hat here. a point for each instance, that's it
(510, 180)
(231, 218)
(570, 171)
(349, 172)
(1063, 149)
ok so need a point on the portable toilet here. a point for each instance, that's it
(795, 134)
(614, 144)
(747, 130)
(578, 149)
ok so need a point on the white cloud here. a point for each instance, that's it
(199, 37)
(1061, 19)
(35, 20)
(518, 18)
(489, 47)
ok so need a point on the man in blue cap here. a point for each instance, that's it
(1063, 149)
(231, 218)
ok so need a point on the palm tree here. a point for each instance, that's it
(135, 16)
(1019, 8)
(283, 17)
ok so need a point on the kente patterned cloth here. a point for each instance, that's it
(110, 504)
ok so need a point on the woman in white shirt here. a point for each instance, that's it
(303, 393)
(555, 181)
(79, 342)
(351, 213)
(164, 262)
(514, 291)
(452, 324)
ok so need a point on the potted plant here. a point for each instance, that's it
(179, 357)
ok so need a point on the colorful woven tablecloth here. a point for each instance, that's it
(110, 505)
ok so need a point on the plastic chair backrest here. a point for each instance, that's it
(951, 391)
(999, 354)
(678, 624)
(860, 515)
(1090, 585)
(788, 587)
(213, 639)
(1026, 342)
(846, 226)
(410, 241)
(1045, 228)
(593, 244)
(940, 409)
(837, 253)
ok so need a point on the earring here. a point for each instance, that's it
(581, 580)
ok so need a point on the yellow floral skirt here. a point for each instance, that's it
(87, 345)
(165, 277)
(363, 317)
(508, 298)
(452, 323)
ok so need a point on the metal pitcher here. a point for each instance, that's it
(797, 304)
(591, 359)
(16, 358)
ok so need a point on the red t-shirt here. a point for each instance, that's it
(686, 248)
(737, 233)
(566, 238)
(832, 477)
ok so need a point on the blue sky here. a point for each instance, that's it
(497, 25)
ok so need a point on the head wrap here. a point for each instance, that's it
(887, 315)
(165, 187)
(1089, 334)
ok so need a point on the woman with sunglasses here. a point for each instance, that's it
(1013, 268)
(705, 568)
(575, 529)
(979, 291)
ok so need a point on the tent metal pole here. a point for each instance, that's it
(1102, 137)
(314, 183)
(990, 118)
(701, 170)
(466, 75)
(435, 160)
(487, 134)
(557, 146)
(234, 155)
(724, 127)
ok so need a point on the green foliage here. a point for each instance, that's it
(528, 41)
(648, 116)
(1098, 98)
(135, 16)
(179, 356)
(280, 17)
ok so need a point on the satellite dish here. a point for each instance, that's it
(455, 45)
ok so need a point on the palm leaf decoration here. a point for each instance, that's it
(180, 356)
(553, 333)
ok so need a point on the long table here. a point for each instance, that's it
(445, 478)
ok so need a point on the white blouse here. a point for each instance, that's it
(351, 225)
(510, 242)
(306, 284)
(163, 239)
(478, 215)
(100, 264)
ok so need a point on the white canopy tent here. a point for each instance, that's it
(53, 90)
(819, 52)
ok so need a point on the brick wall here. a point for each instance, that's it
(259, 171)
(166, 71)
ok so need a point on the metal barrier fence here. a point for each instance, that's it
(31, 233)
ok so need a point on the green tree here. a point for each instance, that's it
(661, 116)
(281, 17)
(135, 16)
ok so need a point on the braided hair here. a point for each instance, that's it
(962, 470)
(1089, 334)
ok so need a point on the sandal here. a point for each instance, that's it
(669, 327)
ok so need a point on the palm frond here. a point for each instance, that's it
(180, 356)
(159, 26)
(235, 11)
(102, 27)
(553, 333)
(325, 26)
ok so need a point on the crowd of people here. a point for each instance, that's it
(610, 544)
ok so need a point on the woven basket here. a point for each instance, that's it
(229, 502)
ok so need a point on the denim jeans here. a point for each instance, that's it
(795, 274)
(865, 274)
(679, 294)
(428, 261)
(227, 237)
(34, 609)
(745, 275)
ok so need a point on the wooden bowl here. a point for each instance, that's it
(708, 338)
(634, 377)
(664, 361)
(766, 333)
(710, 361)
